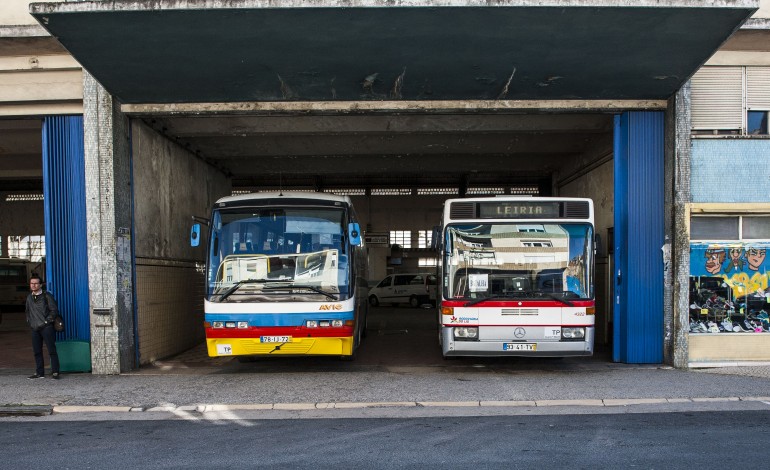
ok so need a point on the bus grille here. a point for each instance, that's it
(462, 210)
(576, 210)
(519, 311)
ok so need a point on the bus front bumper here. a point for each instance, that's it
(324, 346)
(533, 348)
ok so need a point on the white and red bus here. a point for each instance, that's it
(516, 277)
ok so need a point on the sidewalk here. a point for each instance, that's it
(334, 385)
(400, 375)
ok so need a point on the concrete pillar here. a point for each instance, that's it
(677, 327)
(108, 209)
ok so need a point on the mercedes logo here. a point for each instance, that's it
(519, 332)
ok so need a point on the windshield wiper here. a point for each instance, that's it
(483, 299)
(556, 297)
(238, 284)
(316, 289)
(520, 293)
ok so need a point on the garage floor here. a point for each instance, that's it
(396, 337)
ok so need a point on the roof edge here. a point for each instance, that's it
(160, 5)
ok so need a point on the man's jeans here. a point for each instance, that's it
(47, 335)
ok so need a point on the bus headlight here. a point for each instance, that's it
(243, 324)
(337, 322)
(311, 324)
(573, 333)
(218, 324)
(467, 333)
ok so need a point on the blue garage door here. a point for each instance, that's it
(65, 222)
(639, 236)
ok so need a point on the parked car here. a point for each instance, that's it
(414, 289)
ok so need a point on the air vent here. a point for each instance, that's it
(576, 210)
(519, 311)
(462, 210)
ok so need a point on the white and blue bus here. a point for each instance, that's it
(285, 275)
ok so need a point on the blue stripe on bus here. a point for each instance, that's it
(278, 319)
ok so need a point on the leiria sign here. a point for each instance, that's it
(519, 209)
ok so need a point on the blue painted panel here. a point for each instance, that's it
(639, 236)
(730, 170)
(65, 222)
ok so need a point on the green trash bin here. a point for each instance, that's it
(74, 356)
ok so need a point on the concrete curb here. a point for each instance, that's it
(207, 408)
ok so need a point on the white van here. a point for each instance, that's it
(414, 289)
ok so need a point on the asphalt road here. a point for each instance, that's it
(703, 440)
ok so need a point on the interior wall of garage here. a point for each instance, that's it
(381, 214)
(597, 184)
(170, 186)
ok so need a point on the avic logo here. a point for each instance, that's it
(330, 307)
(453, 319)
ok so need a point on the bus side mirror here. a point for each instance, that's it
(195, 235)
(354, 234)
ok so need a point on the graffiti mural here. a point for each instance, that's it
(743, 266)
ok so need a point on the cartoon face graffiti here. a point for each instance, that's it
(735, 254)
(714, 260)
(755, 257)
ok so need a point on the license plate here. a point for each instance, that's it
(519, 346)
(275, 339)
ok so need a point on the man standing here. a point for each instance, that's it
(41, 311)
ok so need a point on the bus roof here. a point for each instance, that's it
(284, 194)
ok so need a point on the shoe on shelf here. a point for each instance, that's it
(737, 328)
(727, 325)
(748, 325)
(36, 376)
(55, 375)
(712, 327)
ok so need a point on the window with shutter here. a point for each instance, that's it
(717, 99)
(757, 100)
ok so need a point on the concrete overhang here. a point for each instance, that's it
(224, 51)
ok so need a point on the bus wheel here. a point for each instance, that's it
(373, 301)
(414, 301)
(350, 358)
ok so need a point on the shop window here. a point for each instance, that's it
(729, 274)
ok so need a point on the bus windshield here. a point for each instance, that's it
(533, 261)
(278, 254)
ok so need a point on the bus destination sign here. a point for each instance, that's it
(519, 210)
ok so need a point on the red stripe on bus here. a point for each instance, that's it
(253, 332)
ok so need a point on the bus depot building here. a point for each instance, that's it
(131, 118)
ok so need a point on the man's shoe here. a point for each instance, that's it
(35, 376)
(55, 375)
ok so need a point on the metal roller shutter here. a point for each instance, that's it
(717, 99)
